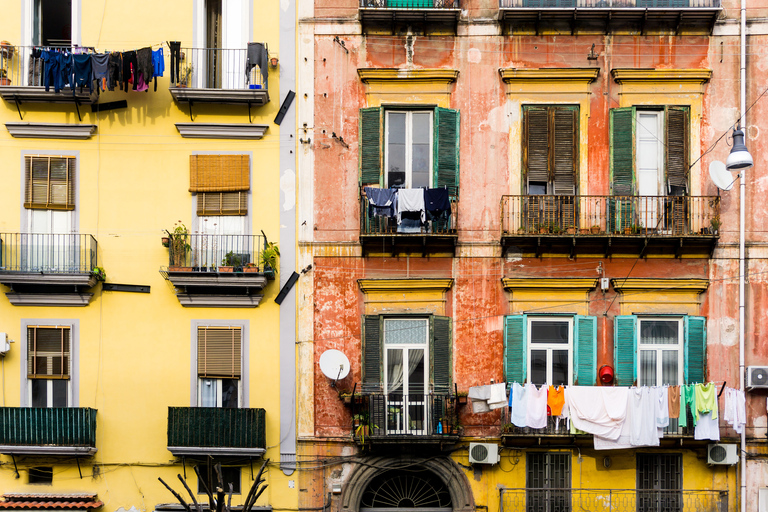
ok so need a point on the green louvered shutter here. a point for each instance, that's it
(677, 146)
(695, 349)
(446, 150)
(371, 353)
(515, 328)
(622, 151)
(564, 157)
(440, 353)
(370, 146)
(585, 351)
(536, 143)
(625, 349)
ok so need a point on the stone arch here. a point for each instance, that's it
(443, 467)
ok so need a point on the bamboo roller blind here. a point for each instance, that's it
(218, 352)
(219, 173)
(49, 182)
(48, 352)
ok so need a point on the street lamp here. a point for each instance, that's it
(739, 158)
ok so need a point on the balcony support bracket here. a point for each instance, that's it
(184, 466)
(79, 117)
(679, 23)
(608, 23)
(18, 107)
(573, 21)
(250, 464)
(573, 247)
(679, 251)
(249, 113)
(78, 467)
(608, 248)
(643, 248)
(539, 249)
(15, 468)
(645, 22)
(189, 102)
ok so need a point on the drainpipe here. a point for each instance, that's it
(742, 207)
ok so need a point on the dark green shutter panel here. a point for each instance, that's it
(536, 132)
(370, 146)
(446, 150)
(585, 351)
(677, 147)
(441, 354)
(695, 349)
(515, 350)
(564, 156)
(625, 349)
(622, 151)
(371, 353)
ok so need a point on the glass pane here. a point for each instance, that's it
(39, 392)
(405, 331)
(60, 393)
(660, 332)
(549, 331)
(647, 368)
(420, 170)
(669, 373)
(229, 393)
(415, 373)
(207, 393)
(539, 366)
(396, 149)
(395, 370)
(422, 126)
(559, 368)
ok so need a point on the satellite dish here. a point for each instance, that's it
(720, 176)
(334, 365)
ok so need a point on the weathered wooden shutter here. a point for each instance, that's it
(371, 381)
(536, 144)
(622, 151)
(219, 352)
(695, 349)
(446, 150)
(585, 352)
(440, 353)
(677, 146)
(48, 352)
(564, 157)
(370, 146)
(625, 349)
(49, 182)
(515, 350)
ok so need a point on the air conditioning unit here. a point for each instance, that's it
(483, 453)
(722, 454)
(5, 346)
(757, 376)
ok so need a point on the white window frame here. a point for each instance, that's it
(74, 366)
(549, 347)
(659, 348)
(201, 382)
(409, 144)
(412, 401)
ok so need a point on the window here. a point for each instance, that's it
(219, 355)
(420, 148)
(229, 474)
(49, 365)
(222, 31)
(49, 182)
(659, 482)
(548, 482)
(555, 350)
(52, 22)
(659, 350)
(41, 475)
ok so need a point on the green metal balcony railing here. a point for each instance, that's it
(66, 253)
(33, 426)
(609, 4)
(214, 427)
(410, 4)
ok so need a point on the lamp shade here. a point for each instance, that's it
(739, 158)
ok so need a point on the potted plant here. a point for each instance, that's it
(571, 230)
(99, 274)
(250, 267)
(268, 258)
(231, 262)
(4, 80)
(362, 425)
(178, 245)
(595, 230)
(521, 230)
(715, 223)
(461, 397)
(186, 75)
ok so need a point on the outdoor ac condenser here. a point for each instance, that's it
(722, 454)
(483, 453)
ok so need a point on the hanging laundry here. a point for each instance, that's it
(158, 64)
(556, 400)
(735, 413)
(598, 410)
(673, 395)
(257, 56)
(706, 398)
(175, 49)
(381, 201)
(81, 73)
(52, 61)
(115, 75)
(100, 70)
(688, 403)
(661, 405)
(708, 426)
(641, 416)
(479, 396)
(519, 411)
(35, 73)
(498, 398)
(410, 200)
(145, 68)
(437, 204)
(129, 66)
(536, 410)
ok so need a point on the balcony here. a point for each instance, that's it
(217, 270)
(216, 431)
(670, 226)
(54, 431)
(405, 420)
(429, 12)
(48, 269)
(612, 500)
(216, 75)
(610, 15)
(381, 233)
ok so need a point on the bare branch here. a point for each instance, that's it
(177, 495)
(198, 506)
(211, 502)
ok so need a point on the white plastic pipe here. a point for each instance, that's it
(742, 207)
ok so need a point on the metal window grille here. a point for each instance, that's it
(548, 482)
(659, 482)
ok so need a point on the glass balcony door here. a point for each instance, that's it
(50, 245)
(406, 377)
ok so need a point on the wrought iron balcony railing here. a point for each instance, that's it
(654, 216)
(219, 68)
(47, 428)
(609, 4)
(215, 253)
(69, 253)
(215, 429)
(612, 500)
(381, 415)
(374, 223)
(561, 428)
(410, 4)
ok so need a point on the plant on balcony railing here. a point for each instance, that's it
(178, 244)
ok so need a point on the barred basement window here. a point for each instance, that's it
(49, 182)
(41, 475)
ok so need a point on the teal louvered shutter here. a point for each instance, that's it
(622, 151)
(440, 353)
(625, 349)
(677, 147)
(536, 143)
(370, 146)
(515, 349)
(371, 353)
(585, 350)
(564, 155)
(446, 150)
(695, 349)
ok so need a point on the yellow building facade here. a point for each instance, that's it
(136, 228)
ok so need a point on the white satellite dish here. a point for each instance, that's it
(334, 365)
(720, 176)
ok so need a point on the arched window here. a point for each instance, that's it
(408, 488)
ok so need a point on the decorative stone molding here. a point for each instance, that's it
(389, 75)
(548, 284)
(221, 130)
(660, 285)
(635, 75)
(49, 299)
(549, 75)
(379, 285)
(51, 130)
